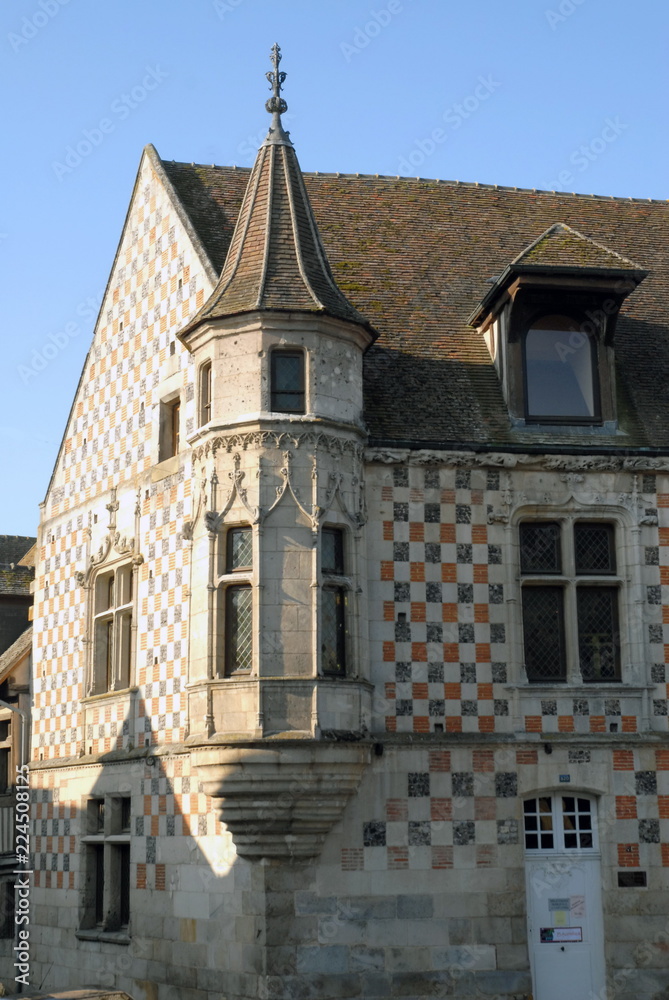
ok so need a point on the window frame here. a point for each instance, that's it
(335, 582)
(570, 583)
(107, 864)
(169, 432)
(285, 352)
(117, 623)
(205, 382)
(531, 418)
(558, 831)
(230, 580)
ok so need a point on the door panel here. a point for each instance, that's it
(565, 932)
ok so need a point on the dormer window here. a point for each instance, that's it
(560, 369)
(549, 322)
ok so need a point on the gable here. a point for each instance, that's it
(160, 277)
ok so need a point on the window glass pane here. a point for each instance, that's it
(99, 881)
(593, 545)
(559, 370)
(124, 883)
(333, 632)
(598, 638)
(544, 633)
(205, 393)
(240, 549)
(288, 381)
(238, 629)
(332, 554)
(540, 547)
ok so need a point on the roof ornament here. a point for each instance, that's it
(276, 105)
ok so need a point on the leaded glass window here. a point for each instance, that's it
(239, 629)
(569, 601)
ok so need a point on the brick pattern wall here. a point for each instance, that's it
(441, 650)
(156, 284)
(461, 808)
(167, 801)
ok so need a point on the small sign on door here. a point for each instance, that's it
(560, 935)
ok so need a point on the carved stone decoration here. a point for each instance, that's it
(503, 460)
(279, 439)
(281, 802)
(357, 518)
(287, 486)
(501, 514)
(213, 518)
(113, 541)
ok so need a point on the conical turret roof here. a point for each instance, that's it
(276, 260)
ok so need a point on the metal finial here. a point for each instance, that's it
(276, 105)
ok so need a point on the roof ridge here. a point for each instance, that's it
(440, 180)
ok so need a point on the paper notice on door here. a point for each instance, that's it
(560, 935)
(560, 918)
(577, 906)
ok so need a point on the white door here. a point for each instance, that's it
(564, 903)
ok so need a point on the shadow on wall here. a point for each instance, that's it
(132, 869)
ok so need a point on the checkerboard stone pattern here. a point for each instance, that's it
(462, 808)
(444, 658)
(441, 657)
(167, 802)
(157, 283)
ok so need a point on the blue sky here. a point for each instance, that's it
(558, 94)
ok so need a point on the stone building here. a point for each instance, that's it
(352, 579)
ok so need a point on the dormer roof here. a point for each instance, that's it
(562, 246)
(561, 254)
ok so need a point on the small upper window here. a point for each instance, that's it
(170, 415)
(560, 363)
(205, 393)
(287, 380)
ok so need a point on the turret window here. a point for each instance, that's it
(205, 393)
(287, 382)
(235, 603)
(334, 601)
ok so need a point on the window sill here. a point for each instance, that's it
(591, 687)
(168, 467)
(109, 937)
(104, 695)
(606, 428)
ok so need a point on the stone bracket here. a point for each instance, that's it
(281, 802)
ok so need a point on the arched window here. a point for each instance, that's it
(560, 366)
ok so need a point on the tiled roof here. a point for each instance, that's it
(562, 246)
(15, 579)
(14, 547)
(276, 259)
(16, 651)
(416, 256)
